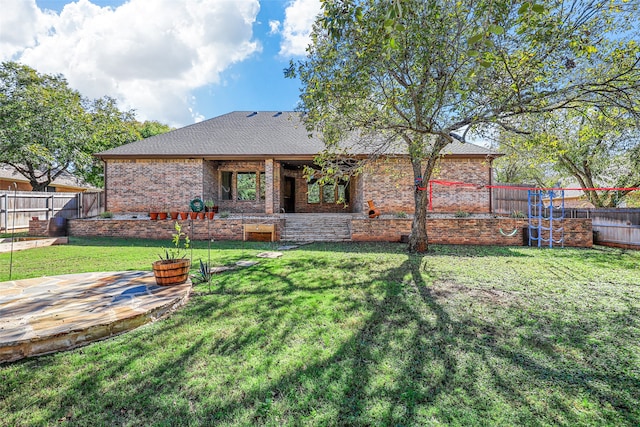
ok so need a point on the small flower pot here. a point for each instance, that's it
(173, 215)
(193, 215)
(210, 215)
(184, 215)
(200, 215)
(153, 215)
(162, 215)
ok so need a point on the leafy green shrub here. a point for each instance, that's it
(106, 215)
(462, 214)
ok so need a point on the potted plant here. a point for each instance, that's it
(153, 214)
(173, 267)
(210, 206)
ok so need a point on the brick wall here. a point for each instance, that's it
(466, 231)
(39, 227)
(390, 184)
(220, 229)
(143, 185)
(462, 198)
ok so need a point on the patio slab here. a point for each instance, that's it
(49, 314)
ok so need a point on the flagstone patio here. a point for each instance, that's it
(49, 314)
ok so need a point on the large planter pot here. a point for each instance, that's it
(171, 272)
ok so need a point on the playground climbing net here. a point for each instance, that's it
(546, 221)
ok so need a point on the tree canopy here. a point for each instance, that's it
(47, 128)
(459, 64)
(594, 148)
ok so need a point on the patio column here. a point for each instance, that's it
(272, 186)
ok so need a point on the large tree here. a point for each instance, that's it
(47, 128)
(594, 148)
(457, 64)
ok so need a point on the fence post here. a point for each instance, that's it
(78, 205)
(3, 209)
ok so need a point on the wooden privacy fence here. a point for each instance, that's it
(16, 209)
(617, 226)
(509, 200)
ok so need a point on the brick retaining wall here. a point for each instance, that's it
(221, 229)
(463, 231)
(466, 231)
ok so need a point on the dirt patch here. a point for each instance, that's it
(452, 290)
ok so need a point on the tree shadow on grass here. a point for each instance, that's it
(410, 355)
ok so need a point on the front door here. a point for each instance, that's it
(289, 194)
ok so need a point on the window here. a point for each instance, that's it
(313, 192)
(247, 186)
(329, 193)
(226, 184)
(343, 192)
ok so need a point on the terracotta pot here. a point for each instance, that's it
(184, 215)
(200, 215)
(193, 215)
(171, 272)
(210, 215)
(162, 215)
(153, 215)
(173, 215)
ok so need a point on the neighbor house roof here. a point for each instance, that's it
(242, 134)
(65, 179)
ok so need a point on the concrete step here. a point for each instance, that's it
(316, 228)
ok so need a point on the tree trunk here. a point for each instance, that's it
(39, 186)
(418, 240)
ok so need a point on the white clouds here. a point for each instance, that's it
(274, 27)
(298, 21)
(150, 56)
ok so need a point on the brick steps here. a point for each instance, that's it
(316, 228)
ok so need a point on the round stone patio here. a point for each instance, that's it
(49, 314)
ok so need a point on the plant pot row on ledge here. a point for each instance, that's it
(180, 215)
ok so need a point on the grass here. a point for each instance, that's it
(352, 334)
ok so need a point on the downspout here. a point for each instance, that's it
(104, 162)
(491, 186)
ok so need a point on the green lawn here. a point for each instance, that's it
(352, 334)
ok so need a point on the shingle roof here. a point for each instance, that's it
(65, 179)
(244, 134)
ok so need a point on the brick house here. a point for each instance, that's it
(252, 162)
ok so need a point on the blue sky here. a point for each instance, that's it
(182, 61)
